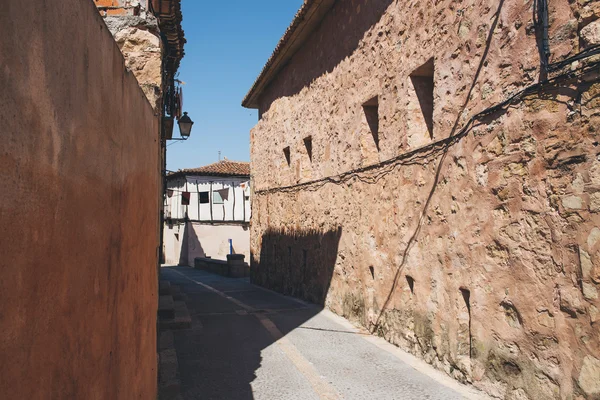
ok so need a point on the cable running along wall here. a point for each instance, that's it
(422, 154)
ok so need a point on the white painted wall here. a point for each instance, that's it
(204, 239)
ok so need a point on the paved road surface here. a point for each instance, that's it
(250, 343)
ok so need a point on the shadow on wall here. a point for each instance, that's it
(297, 263)
(191, 243)
(341, 31)
(218, 363)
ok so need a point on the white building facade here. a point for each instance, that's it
(207, 213)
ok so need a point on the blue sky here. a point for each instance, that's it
(228, 43)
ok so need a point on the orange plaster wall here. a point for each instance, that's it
(79, 159)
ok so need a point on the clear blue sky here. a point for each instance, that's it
(228, 43)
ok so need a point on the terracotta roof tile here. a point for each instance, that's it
(306, 20)
(221, 168)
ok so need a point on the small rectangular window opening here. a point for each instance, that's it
(204, 197)
(371, 109)
(308, 145)
(217, 199)
(422, 80)
(288, 158)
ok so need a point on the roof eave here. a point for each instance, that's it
(305, 22)
(192, 173)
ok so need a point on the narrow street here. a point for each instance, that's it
(249, 343)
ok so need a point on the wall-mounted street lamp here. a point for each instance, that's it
(185, 126)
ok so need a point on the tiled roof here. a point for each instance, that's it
(221, 168)
(306, 20)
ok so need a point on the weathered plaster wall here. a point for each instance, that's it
(80, 162)
(482, 257)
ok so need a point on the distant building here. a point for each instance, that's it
(205, 208)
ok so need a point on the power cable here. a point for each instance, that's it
(421, 155)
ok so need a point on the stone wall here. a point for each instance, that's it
(136, 31)
(480, 254)
(78, 206)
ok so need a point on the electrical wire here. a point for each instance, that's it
(422, 154)
(540, 19)
(587, 53)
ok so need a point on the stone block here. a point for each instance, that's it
(591, 33)
(169, 384)
(239, 271)
(164, 288)
(595, 202)
(181, 318)
(200, 263)
(589, 291)
(589, 377)
(234, 259)
(572, 203)
(166, 307)
(593, 239)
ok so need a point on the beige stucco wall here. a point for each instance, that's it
(79, 156)
(497, 232)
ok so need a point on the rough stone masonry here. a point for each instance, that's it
(136, 31)
(479, 253)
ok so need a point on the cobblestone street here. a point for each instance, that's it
(249, 343)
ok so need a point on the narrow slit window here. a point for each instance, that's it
(423, 84)
(309, 148)
(288, 157)
(466, 294)
(371, 109)
(411, 284)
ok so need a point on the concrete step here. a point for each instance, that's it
(166, 341)
(164, 288)
(181, 319)
(176, 293)
(169, 385)
(166, 306)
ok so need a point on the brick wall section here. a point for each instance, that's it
(483, 256)
(80, 161)
(121, 7)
